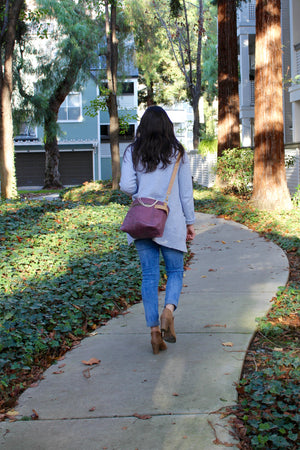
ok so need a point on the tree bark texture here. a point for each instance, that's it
(52, 174)
(112, 66)
(228, 89)
(7, 43)
(270, 189)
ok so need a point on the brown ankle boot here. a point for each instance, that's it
(157, 342)
(167, 326)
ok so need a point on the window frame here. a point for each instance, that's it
(80, 118)
(123, 138)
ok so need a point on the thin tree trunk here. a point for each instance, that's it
(270, 189)
(112, 66)
(196, 124)
(150, 95)
(186, 62)
(228, 111)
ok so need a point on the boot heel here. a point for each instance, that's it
(167, 326)
(157, 342)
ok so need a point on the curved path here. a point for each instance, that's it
(136, 400)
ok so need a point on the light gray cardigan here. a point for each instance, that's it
(154, 185)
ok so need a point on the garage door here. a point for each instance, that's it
(75, 168)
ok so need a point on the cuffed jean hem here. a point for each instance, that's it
(148, 251)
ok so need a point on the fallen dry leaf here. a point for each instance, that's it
(92, 409)
(12, 413)
(58, 372)
(91, 362)
(175, 394)
(61, 366)
(227, 344)
(214, 325)
(142, 416)
(86, 373)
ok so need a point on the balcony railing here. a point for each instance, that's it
(298, 62)
(252, 97)
(251, 11)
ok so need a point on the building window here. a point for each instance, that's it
(126, 137)
(26, 131)
(71, 108)
(127, 88)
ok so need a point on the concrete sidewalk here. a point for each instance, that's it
(133, 399)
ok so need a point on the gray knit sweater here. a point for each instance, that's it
(154, 185)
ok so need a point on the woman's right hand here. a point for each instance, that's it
(190, 232)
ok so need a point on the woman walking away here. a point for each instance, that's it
(146, 171)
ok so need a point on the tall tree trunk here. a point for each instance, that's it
(195, 86)
(150, 95)
(52, 175)
(52, 157)
(189, 65)
(112, 66)
(7, 42)
(270, 189)
(228, 110)
(196, 124)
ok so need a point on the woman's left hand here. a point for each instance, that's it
(190, 232)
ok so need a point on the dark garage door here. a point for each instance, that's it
(75, 168)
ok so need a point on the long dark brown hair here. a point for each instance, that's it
(155, 141)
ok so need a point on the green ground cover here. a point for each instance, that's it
(65, 269)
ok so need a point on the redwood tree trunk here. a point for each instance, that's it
(270, 189)
(7, 42)
(112, 66)
(229, 108)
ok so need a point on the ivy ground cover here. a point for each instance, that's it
(65, 268)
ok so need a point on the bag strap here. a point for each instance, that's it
(173, 178)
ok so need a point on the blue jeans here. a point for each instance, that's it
(148, 252)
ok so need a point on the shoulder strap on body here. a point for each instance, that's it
(173, 177)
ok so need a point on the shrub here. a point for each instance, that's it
(296, 197)
(235, 168)
(208, 146)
